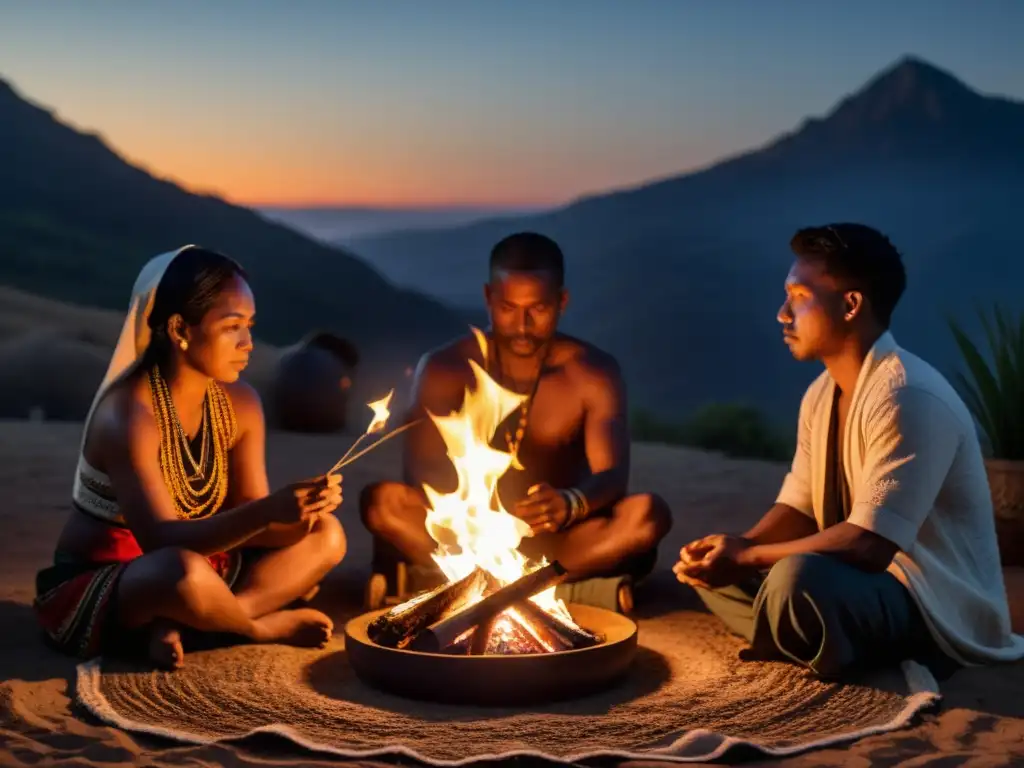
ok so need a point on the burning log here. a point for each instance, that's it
(461, 647)
(476, 616)
(445, 632)
(540, 633)
(556, 628)
(481, 638)
(397, 627)
(524, 628)
(507, 635)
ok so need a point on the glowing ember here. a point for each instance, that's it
(485, 534)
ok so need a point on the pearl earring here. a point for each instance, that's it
(184, 345)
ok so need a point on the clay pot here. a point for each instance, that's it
(311, 384)
(1006, 481)
(49, 374)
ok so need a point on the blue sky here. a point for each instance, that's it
(450, 101)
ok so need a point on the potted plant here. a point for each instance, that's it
(994, 392)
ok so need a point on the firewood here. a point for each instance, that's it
(443, 633)
(506, 637)
(511, 637)
(461, 646)
(481, 637)
(400, 625)
(542, 632)
(474, 642)
(572, 636)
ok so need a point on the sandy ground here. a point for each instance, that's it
(982, 722)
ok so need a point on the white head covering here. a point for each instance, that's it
(134, 338)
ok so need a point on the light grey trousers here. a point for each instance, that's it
(817, 611)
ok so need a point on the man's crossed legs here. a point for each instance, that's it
(826, 615)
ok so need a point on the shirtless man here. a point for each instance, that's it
(575, 442)
(881, 545)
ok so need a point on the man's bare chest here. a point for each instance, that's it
(553, 417)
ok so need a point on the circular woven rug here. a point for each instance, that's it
(687, 698)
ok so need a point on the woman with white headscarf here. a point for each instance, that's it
(173, 527)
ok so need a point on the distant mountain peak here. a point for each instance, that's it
(912, 84)
(915, 71)
(910, 109)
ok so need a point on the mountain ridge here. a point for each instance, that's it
(906, 71)
(78, 220)
(707, 251)
(909, 67)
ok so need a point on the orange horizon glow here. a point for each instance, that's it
(487, 106)
(266, 190)
(333, 165)
(220, 167)
(327, 200)
(273, 171)
(390, 204)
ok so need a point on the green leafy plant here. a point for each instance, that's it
(994, 388)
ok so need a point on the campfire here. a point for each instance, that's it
(494, 600)
(476, 615)
(495, 608)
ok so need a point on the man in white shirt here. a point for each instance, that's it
(881, 545)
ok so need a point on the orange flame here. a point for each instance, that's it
(381, 414)
(487, 535)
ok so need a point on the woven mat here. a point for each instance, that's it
(688, 698)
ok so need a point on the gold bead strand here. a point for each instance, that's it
(188, 501)
(174, 425)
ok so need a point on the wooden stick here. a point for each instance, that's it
(446, 631)
(541, 632)
(519, 640)
(572, 636)
(482, 637)
(398, 626)
(513, 638)
(348, 453)
(369, 448)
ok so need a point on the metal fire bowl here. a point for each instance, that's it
(497, 680)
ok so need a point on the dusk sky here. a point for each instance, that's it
(508, 102)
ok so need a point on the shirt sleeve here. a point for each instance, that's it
(796, 487)
(911, 439)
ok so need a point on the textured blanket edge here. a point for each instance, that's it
(698, 745)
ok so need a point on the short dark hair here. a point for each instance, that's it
(529, 252)
(189, 287)
(861, 257)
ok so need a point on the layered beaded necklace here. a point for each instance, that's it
(199, 488)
